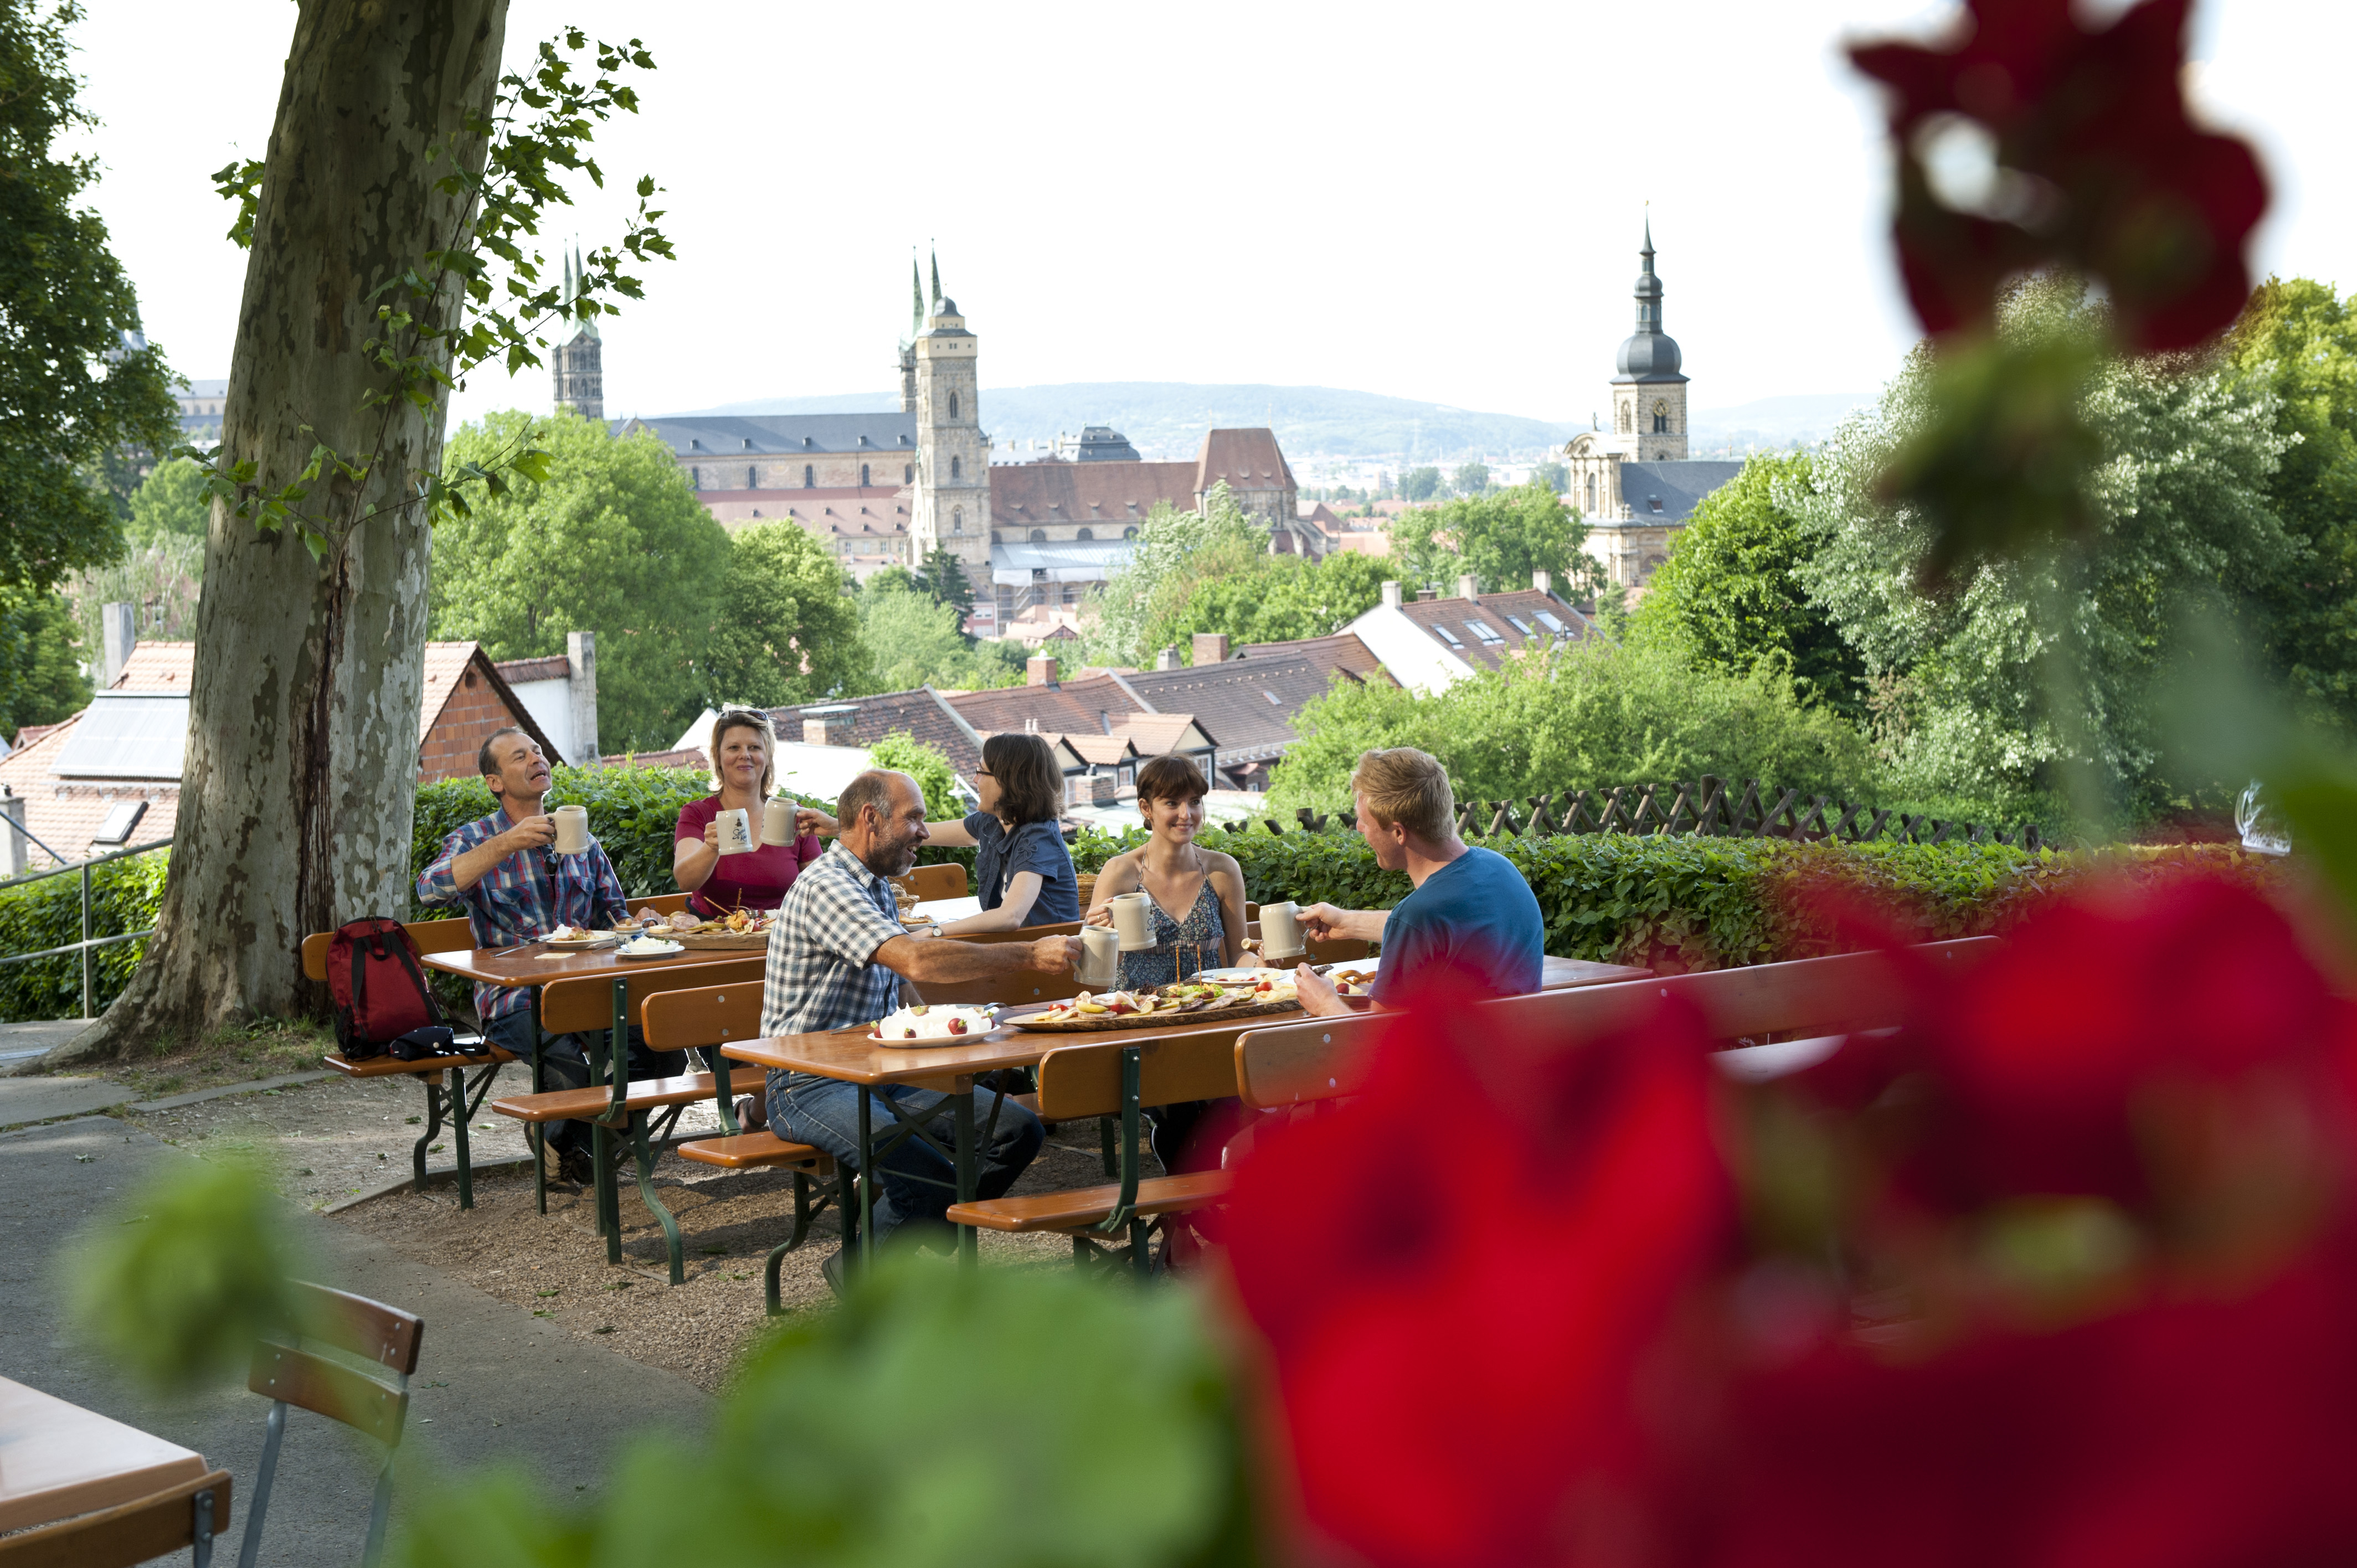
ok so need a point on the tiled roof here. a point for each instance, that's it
(1342, 651)
(922, 715)
(64, 813)
(691, 757)
(1247, 460)
(1158, 733)
(1668, 493)
(515, 670)
(1025, 496)
(700, 435)
(455, 716)
(1081, 707)
(157, 667)
(1506, 615)
(1248, 703)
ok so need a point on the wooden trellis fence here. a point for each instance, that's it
(1705, 808)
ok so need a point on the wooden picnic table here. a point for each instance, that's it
(848, 1055)
(57, 1460)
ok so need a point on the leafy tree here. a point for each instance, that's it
(1591, 715)
(160, 576)
(2033, 680)
(611, 541)
(1731, 593)
(1175, 551)
(928, 765)
(909, 638)
(72, 385)
(783, 631)
(2299, 340)
(944, 578)
(1419, 484)
(40, 659)
(1552, 475)
(1279, 598)
(1502, 538)
(1472, 478)
(174, 499)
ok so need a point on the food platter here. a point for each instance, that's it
(1191, 1001)
(663, 950)
(580, 941)
(1104, 1023)
(723, 939)
(738, 930)
(940, 1025)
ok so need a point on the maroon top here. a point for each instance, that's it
(755, 881)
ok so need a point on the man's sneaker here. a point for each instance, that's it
(835, 1270)
(575, 1165)
(752, 1114)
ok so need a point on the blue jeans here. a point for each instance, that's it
(825, 1115)
(565, 1063)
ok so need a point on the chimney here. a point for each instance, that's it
(118, 629)
(829, 727)
(1391, 596)
(1425, 595)
(1039, 670)
(1167, 658)
(1210, 648)
(1544, 582)
(1468, 585)
(581, 695)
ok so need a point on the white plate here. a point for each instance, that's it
(582, 944)
(668, 948)
(1231, 976)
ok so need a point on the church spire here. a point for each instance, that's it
(937, 279)
(915, 297)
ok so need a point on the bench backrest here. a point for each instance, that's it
(1083, 1081)
(1325, 1056)
(569, 1006)
(1020, 933)
(137, 1531)
(1017, 990)
(430, 936)
(324, 1385)
(704, 1016)
(930, 882)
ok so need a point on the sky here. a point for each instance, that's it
(1433, 203)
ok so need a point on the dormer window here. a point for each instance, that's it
(695, 446)
(746, 445)
(1447, 636)
(1654, 503)
(808, 442)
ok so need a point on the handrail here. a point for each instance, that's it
(88, 943)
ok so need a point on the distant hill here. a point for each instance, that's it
(1167, 419)
(1802, 419)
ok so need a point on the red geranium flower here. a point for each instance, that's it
(2097, 169)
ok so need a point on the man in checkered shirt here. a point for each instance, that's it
(515, 889)
(838, 954)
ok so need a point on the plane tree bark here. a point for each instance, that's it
(300, 772)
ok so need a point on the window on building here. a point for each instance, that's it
(1661, 419)
(1518, 624)
(752, 478)
(695, 446)
(1071, 593)
(1038, 536)
(1625, 419)
(952, 405)
(810, 478)
(1447, 636)
(695, 478)
(1591, 495)
(957, 520)
(1129, 534)
(907, 473)
(1086, 533)
(1548, 620)
(863, 475)
(1652, 503)
(1484, 632)
(956, 468)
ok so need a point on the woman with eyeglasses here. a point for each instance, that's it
(743, 751)
(1023, 872)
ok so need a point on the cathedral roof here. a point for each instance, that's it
(1247, 460)
(698, 436)
(1668, 492)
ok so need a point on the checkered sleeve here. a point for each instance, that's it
(844, 922)
(438, 882)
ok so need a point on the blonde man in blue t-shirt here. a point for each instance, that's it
(1470, 911)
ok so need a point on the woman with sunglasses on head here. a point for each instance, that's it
(742, 753)
(1023, 872)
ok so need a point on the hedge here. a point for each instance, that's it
(1674, 903)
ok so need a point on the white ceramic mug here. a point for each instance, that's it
(1280, 931)
(572, 828)
(1133, 920)
(777, 822)
(735, 831)
(1100, 966)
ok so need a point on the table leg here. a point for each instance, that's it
(646, 1172)
(457, 1096)
(613, 1062)
(535, 1133)
(433, 1125)
(967, 1241)
(867, 1180)
(723, 1090)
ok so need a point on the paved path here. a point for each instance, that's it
(24, 1100)
(512, 1386)
(24, 1042)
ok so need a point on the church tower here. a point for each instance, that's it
(952, 500)
(909, 345)
(1648, 396)
(578, 360)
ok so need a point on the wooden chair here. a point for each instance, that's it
(373, 1401)
(706, 1018)
(193, 1514)
(596, 1006)
(1323, 1059)
(1107, 1078)
(447, 1092)
(932, 882)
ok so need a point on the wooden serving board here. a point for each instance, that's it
(708, 940)
(1098, 1022)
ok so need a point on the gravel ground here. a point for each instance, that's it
(327, 1140)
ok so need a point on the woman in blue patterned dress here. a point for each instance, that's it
(1198, 895)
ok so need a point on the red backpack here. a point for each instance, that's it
(380, 989)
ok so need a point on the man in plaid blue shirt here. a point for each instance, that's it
(837, 956)
(516, 889)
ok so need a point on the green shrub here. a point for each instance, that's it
(124, 897)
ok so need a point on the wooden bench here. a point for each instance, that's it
(706, 1018)
(192, 1514)
(1324, 1058)
(608, 1005)
(1107, 1078)
(932, 882)
(447, 1092)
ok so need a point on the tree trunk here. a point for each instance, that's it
(301, 768)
